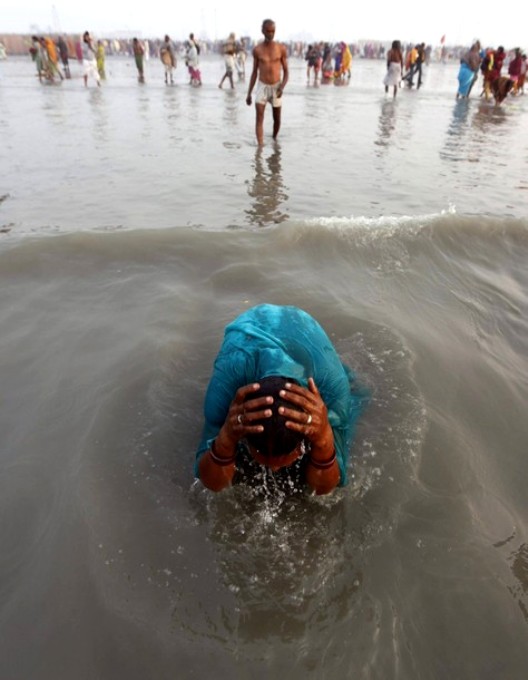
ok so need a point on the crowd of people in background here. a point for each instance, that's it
(502, 72)
(235, 54)
(332, 62)
(52, 57)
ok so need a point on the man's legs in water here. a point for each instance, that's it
(259, 125)
(276, 121)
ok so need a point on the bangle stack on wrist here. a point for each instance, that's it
(218, 459)
(323, 464)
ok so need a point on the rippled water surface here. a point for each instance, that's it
(136, 221)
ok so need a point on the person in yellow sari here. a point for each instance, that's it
(53, 58)
(100, 58)
(346, 62)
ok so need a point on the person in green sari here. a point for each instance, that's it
(139, 55)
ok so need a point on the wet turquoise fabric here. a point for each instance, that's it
(270, 340)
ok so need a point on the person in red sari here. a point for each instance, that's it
(498, 59)
(514, 69)
(500, 85)
(522, 77)
(494, 83)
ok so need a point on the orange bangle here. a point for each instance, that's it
(323, 464)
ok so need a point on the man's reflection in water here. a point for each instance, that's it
(100, 118)
(386, 123)
(267, 189)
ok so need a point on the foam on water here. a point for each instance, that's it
(388, 223)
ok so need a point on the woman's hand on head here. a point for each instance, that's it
(244, 416)
(310, 417)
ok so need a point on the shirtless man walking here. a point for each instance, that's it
(269, 58)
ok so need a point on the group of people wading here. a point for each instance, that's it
(490, 63)
(415, 58)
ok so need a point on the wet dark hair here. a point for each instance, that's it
(276, 439)
(267, 21)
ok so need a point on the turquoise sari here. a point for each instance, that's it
(466, 78)
(270, 340)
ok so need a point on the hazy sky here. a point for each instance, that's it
(460, 21)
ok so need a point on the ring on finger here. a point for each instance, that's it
(309, 420)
